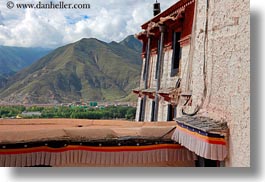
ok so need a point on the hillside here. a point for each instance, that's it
(13, 59)
(132, 43)
(85, 70)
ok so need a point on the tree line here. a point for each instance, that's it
(77, 112)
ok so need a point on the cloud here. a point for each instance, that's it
(1, 18)
(109, 21)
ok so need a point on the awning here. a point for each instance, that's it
(169, 94)
(149, 92)
(99, 156)
(203, 136)
(138, 92)
(165, 93)
(79, 143)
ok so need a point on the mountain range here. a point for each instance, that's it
(88, 69)
(13, 59)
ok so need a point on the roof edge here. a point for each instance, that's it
(167, 12)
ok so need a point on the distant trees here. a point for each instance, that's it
(34, 109)
(111, 112)
(77, 112)
(10, 111)
(130, 113)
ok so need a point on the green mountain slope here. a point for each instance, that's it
(13, 59)
(132, 43)
(86, 70)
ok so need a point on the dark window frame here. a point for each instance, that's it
(169, 112)
(153, 111)
(172, 112)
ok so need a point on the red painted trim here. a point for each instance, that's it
(89, 148)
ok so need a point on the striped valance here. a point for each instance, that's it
(205, 137)
(76, 155)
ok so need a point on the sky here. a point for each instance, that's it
(106, 20)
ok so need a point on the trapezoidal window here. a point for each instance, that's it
(176, 55)
(153, 111)
(171, 112)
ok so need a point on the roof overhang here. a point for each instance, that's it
(170, 11)
(150, 93)
(202, 135)
(67, 142)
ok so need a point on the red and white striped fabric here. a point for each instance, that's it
(152, 155)
(207, 146)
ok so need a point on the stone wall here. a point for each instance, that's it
(223, 50)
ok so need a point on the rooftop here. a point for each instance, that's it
(13, 131)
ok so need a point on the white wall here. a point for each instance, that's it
(228, 71)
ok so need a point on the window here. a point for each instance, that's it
(171, 112)
(153, 111)
(176, 53)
